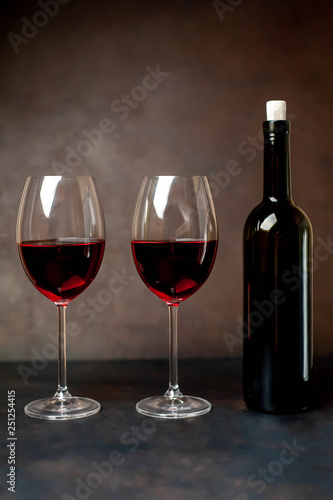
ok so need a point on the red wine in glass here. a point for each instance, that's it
(60, 234)
(174, 245)
(61, 269)
(174, 270)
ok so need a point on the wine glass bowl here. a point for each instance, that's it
(60, 236)
(61, 269)
(174, 245)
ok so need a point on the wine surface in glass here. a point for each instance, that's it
(61, 269)
(174, 270)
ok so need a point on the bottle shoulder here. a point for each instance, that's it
(274, 216)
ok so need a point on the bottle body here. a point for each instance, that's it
(277, 361)
(277, 245)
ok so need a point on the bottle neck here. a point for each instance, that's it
(277, 183)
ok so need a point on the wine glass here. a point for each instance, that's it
(174, 244)
(60, 235)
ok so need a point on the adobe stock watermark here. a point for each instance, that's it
(3, 236)
(132, 438)
(260, 479)
(249, 148)
(121, 107)
(266, 308)
(87, 309)
(40, 360)
(3, 438)
(227, 6)
(117, 283)
(30, 27)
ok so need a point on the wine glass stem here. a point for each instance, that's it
(173, 390)
(62, 391)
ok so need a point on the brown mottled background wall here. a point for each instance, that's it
(220, 65)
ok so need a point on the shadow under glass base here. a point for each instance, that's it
(62, 409)
(180, 407)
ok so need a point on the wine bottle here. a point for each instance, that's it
(277, 245)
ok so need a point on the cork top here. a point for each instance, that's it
(276, 110)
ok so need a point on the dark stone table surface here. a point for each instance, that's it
(230, 453)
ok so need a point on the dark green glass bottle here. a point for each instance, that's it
(277, 355)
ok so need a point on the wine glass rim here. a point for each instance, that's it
(61, 176)
(176, 176)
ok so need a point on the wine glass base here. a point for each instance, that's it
(166, 407)
(62, 409)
